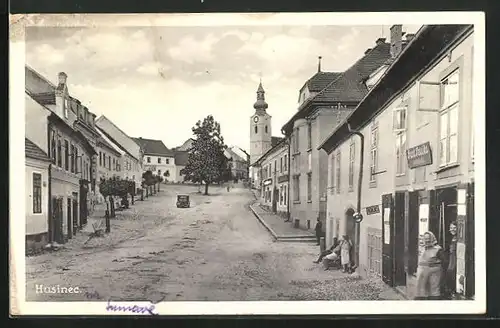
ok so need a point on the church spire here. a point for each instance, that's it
(260, 104)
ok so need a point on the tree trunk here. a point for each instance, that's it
(132, 196)
(159, 183)
(142, 194)
(147, 191)
(108, 222)
(112, 206)
(206, 188)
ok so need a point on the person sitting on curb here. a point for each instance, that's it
(328, 251)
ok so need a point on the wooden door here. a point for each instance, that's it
(275, 199)
(69, 214)
(469, 240)
(388, 239)
(57, 219)
(399, 239)
(75, 214)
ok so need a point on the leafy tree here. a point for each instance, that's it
(206, 162)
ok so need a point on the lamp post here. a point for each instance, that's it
(358, 217)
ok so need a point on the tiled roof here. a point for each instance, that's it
(275, 141)
(320, 80)
(114, 141)
(153, 147)
(181, 158)
(33, 151)
(349, 86)
(35, 83)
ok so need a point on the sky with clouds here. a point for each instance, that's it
(157, 82)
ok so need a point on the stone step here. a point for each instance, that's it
(297, 240)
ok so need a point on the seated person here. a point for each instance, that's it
(330, 259)
(328, 251)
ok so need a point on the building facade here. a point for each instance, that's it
(181, 159)
(239, 164)
(132, 164)
(418, 161)
(273, 167)
(37, 197)
(324, 102)
(158, 158)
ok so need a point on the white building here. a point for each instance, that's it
(158, 158)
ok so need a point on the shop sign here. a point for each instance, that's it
(420, 155)
(372, 210)
(283, 178)
(268, 182)
(151, 168)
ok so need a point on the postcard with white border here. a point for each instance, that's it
(218, 164)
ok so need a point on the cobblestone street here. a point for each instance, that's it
(215, 250)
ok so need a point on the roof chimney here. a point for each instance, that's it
(61, 94)
(380, 41)
(319, 64)
(396, 40)
(368, 50)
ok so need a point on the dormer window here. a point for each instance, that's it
(66, 107)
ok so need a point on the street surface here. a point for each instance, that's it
(214, 251)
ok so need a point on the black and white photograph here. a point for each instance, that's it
(247, 163)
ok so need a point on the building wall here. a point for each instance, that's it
(36, 223)
(36, 123)
(421, 127)
(313, 161)
(155, 167)
(272, 159)
(128, 143)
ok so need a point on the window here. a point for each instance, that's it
(114, 164)
(332, 174)
(337, 168)
(167, 160)
(270, 172)
(309, 136)
(109, 162)
(59, 153)
(284, 196)
(309, 186)
(281, 195)
(66, 155)
(66, 107)
(448, 152)
(148, 159)
(159, 173)
(281, 165)
(100, 158)
(255, 128)
(285, 168)
(275, 165)
(73, 158)
(400, 130)
(37, 193)
(53, 151)
(373, 151)
(159, 160)
(352, 157)
(296, 188)
(266, 128)
(295, 141)
(76, 161)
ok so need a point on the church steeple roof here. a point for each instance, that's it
(260, 104)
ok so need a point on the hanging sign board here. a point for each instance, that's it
(372, 210)
(420, 155)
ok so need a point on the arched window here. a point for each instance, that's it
(256, 129)
(266, 128)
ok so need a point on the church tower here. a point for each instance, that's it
(260, 127)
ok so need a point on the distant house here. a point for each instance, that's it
(158, 158)
(37, 196)
(185, 146)
(181, 159)
(239, 162)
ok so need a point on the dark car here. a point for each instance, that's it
(183, 201)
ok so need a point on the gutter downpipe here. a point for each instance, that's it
(360, 184)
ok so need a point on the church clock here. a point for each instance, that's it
(255, 119)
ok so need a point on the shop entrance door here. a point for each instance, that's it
(388, 240)
(399, 239)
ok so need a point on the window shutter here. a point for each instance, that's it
(413, 233)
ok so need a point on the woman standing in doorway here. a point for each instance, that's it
(451, 270)
(345, 253)
(429, 271)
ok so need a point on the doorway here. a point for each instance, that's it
(388, 240)
(399, 238)
(75, 212)
(469, 249)
(69, 215)
(351, 231)
(445, 208)
(57, 219)
(275, 199)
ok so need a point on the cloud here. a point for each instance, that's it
(50, 55)
(152, 68)
(190, 50)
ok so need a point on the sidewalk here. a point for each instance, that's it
(279, 229)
